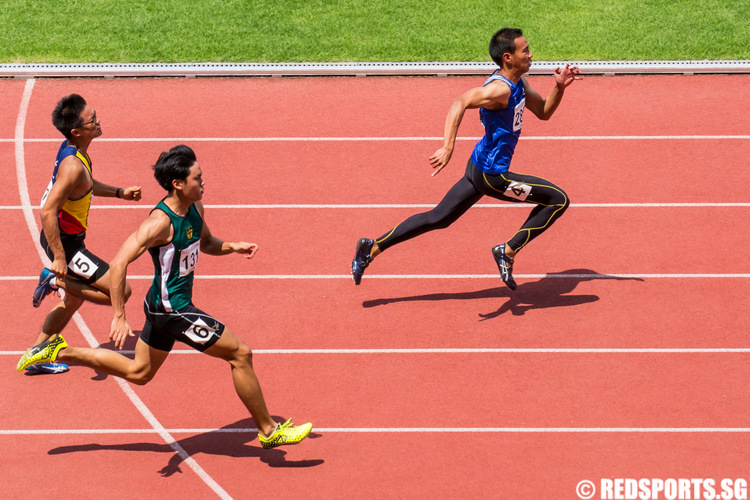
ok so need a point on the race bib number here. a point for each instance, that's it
(189, 258)
(518, 115)
(518, 190)
(199, 332)
(82, 265)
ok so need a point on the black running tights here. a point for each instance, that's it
(551, 202)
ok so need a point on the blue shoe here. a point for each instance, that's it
(361, 259)
(43, 287)
(47, 368)
(505, 265)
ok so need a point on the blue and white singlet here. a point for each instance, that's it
(502, 128)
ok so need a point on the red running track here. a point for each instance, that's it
(511, 416)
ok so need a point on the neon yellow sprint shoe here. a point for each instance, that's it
(285, 433)
(46, 352)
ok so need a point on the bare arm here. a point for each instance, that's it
(128, 193)
(494, 96)
(154, 231)
(545, 108)
(212, 245)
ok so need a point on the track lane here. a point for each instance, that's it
(608, 241)
(387, 106)
(90, 466)
(370, 172)
(444, 314)
(79, 399)
(441, 465)
(518, 390)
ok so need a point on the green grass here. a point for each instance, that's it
(376, 30)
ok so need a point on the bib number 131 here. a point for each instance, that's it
(189, 258)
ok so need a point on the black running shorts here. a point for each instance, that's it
(190, 326)
(82, 264)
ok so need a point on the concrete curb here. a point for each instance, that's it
(110, 70)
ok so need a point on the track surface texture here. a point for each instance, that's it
(622, 355)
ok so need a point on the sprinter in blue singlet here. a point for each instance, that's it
(502, 100)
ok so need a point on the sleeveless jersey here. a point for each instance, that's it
(74, 215)
(502, 128)
(174, 263)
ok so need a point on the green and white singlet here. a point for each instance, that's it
(174, 263)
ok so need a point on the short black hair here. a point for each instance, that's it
(174, 164)
(67, 114)
(503, 42)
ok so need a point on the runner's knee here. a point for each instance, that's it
(437, 219)
(140, 376)
(71, 301)
(562, 200)
(244, 352)
(242, 355)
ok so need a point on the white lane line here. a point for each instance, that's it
(466, 276)
(592, 276)
(669, 137)
(430, 276)
(23, 189)
(348, 206)
(384, 430)
(478, 350)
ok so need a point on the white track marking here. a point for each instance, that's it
(382, 430)
(465, 276)
(23, 189)
(347, 206)
(478, 350)
(143, 277)
(407, 138)
(137, 277)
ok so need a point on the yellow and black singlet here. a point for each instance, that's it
(74, 214)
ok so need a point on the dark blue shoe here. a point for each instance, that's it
(52, 368)
(505, 265)
(361, 259)
(43, 288)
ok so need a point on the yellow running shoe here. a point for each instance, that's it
(46, 352)
(285, 433)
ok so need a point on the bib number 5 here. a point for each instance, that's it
(82, 265)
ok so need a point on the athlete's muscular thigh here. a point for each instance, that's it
(513, 187)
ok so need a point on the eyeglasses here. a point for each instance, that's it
(93, 120)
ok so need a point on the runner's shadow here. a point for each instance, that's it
(554, 290)
(230, 441)
(129, 344)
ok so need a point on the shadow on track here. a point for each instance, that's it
(230, 441)
(554, 290)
